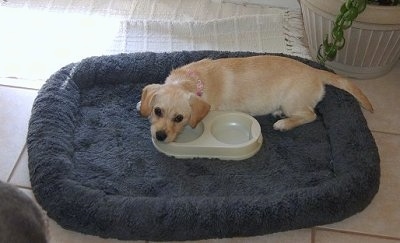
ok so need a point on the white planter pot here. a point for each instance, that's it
(372, 42)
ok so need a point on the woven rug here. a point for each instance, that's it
(46, 35)
(94, 169)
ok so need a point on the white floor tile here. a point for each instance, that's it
(338, 237)
(20, 174)
(61, 235)
(383, 92)
(382, 216)
(15, 110)
(294, 236)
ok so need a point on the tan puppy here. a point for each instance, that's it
(256, 85)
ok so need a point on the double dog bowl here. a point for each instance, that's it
(222, 135)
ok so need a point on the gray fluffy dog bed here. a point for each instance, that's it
(94, 169)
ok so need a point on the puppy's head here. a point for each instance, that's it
(170, 108)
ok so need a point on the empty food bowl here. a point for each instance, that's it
(222, 135)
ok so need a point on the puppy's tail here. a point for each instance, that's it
(342, 83)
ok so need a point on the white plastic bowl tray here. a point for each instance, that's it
(222, 135)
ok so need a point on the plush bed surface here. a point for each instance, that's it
(94, 169)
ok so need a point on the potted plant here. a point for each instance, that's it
(356, 38)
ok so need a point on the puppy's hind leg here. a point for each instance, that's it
(278, 114)
(296, 118)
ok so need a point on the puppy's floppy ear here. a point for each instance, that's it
(200, 109)
(147, 96)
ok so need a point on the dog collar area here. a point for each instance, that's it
(199, 88)
(199, 83)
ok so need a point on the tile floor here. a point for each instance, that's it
(378, 223)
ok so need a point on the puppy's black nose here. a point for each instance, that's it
(161, 135)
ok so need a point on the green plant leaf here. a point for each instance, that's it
(360, 5)
(351, 14)
(321, 55)
(348, 13)
(339, 20)
(330, 52)
(337, 33)
(339, 43)
(343, 9)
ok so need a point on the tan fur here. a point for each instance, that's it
(255, 85)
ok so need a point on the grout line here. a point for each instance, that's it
(22, 187)
(386, 237)
(18, 87)
(387, 133)
(313, 233)
(16, 164)
(23, 83)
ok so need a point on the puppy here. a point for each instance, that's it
(20, 219)
(255, 85)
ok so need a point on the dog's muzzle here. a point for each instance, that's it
(161, 135)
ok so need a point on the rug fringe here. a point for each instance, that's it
(295, 35)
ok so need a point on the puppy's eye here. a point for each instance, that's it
(178, 118)
(158, 111)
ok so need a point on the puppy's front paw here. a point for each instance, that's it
(281, 125)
